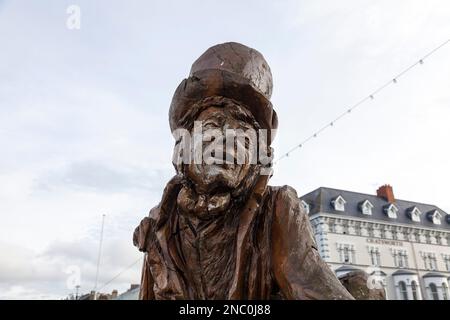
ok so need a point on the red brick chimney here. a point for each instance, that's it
(386, 192)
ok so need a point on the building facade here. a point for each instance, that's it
(404, 246)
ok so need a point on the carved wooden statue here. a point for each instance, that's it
(220, 232)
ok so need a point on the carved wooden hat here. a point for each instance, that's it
(231, 70)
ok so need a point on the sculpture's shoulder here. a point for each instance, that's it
(145, 233)
(290, 220)
(285, 199)
(286, 192)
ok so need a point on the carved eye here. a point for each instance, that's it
(211, 124)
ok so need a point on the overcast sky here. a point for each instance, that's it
(84, 126)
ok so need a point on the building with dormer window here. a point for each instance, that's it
(404, 245)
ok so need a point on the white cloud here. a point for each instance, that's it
(23, 293)
(46, 274)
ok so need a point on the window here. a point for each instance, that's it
(378, 259)
(446, 261)
(366, 207)
(444, 291)
(400, 258)
(391, 211)
(434, 292)
(346, 253)
(403, 291)
(433, 263)
(437, 218)
(305, 206)
(414, 290)
(434, 216)
(375, 256)
(429, 260)
(400, 262)
(414, 214)
(339, 203)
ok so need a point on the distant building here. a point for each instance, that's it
(130, 294)
(404, 245)
(100, 296)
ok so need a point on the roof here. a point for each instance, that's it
(403, 272)
(132, 294)
(320, 200)
(346, 268)
(434, 275)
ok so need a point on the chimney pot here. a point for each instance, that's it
(386, 192)
(134, 286)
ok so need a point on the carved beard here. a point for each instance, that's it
(218, 202)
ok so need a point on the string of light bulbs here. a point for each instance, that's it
(369, 97)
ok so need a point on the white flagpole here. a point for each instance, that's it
(99, 256)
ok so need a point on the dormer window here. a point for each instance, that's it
(414, 213)
(366, 207)
(339, 203)
(305, 206)
(434, 216)
(391, 210)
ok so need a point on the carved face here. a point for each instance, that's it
(224, 165)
